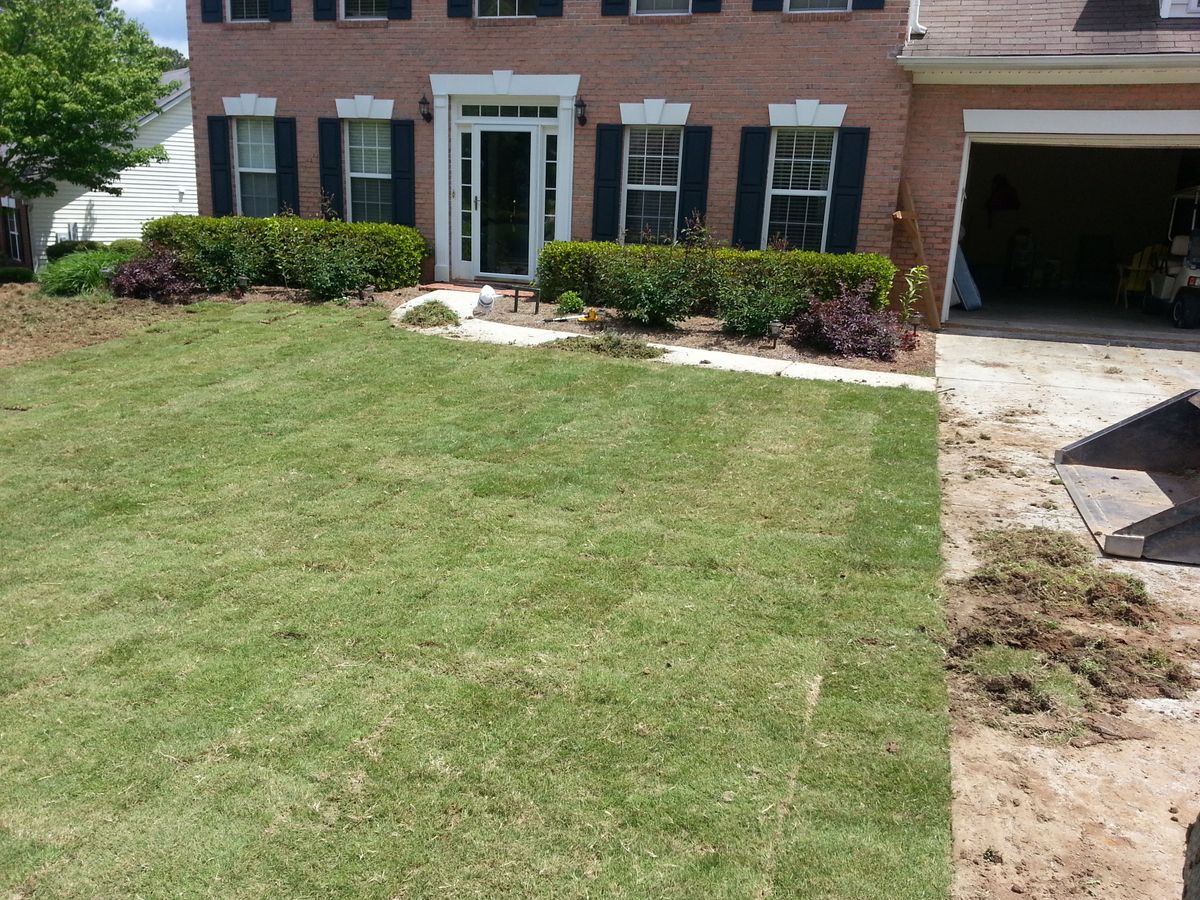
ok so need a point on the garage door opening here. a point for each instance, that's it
(1057, 239)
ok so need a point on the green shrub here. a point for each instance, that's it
(433, 314)
(16, 275)
(569, 302)
(289, 251)
(132, 246)
(78, 273)
(57, 251)
(745, 288)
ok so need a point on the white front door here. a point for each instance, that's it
(504, 196)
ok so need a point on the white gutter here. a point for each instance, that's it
(1112, 68)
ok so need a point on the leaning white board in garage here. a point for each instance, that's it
(964, 283)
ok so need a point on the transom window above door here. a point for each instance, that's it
(818, 5)
(364, 9)
(494, 111)
(506, 9)
(651, 195)
(798, 184)
(249, 10)
(661, 7)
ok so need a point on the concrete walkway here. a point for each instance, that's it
(478, 329)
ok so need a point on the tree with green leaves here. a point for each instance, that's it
(75, 78)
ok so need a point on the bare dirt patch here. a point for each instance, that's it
(704, 333)
(34, 326)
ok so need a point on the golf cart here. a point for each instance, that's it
(1176, 286)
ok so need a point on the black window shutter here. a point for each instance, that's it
(614, 7)
(751, 199)
(767, 5)
(280, 11)
(325, 10)
(606, 195)
(329, 146)
(867, 4)
(404, 176)
(212, 10)
(399, 9)
(706, 6)
(459, 9)
(845, 198)
(220, 166)
(549, 7)
(693, 173)
(287, 174)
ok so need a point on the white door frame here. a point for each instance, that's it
(1136, 129)
(500, 84)
(472, 268)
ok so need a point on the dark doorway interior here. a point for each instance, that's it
(505, 195)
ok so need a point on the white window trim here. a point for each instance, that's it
(350, 174)
(238, 169)
(249, 106)
(787, 8)
(806, 114)
(637, 11)
(342, 15)
(364, 106)
(647, 187)
(229, 14)
(15, 250)
(480, 15)
(788, 192)
(655, 112)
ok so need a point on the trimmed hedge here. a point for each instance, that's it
(746, 289)
(16, 275)
(291, 252)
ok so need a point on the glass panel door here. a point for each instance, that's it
(504, 201)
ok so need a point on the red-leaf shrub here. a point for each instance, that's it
(849, 326)
(156, 276)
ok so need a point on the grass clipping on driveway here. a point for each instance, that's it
(299, 605)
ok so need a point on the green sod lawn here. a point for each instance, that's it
(296, 604)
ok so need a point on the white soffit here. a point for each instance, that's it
(655, 112)
(504, 83)
(364, 106)
(250, 105)
(807, 114)
(1125, 122)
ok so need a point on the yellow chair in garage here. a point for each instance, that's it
(1135, 276)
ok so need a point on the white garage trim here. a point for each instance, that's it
(1135, 129)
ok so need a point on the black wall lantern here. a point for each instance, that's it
(580, 111)
(426, 112)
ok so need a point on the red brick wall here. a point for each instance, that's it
(934, 150)
(728, 65)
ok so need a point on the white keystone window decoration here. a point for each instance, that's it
(651, 195)
(369, 169)
(506, 9)
(364, 9)
(799, 180)
(818, 5)
(254, 158)
(248, 10)
(661, 7)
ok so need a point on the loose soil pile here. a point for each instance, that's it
(1048, 633)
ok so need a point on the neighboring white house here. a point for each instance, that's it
(147, 192)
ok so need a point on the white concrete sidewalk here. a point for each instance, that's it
(476, 329)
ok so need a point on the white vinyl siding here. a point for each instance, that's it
(650, 194)
(247, 10)
(506, 9)
(364, 9)
(661, 7)
(798, 185)
(147, 192)
(818, 5)
(254, 163)
(369, 170)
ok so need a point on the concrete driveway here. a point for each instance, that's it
(1106, 820)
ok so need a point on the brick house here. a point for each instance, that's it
(497, 125)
